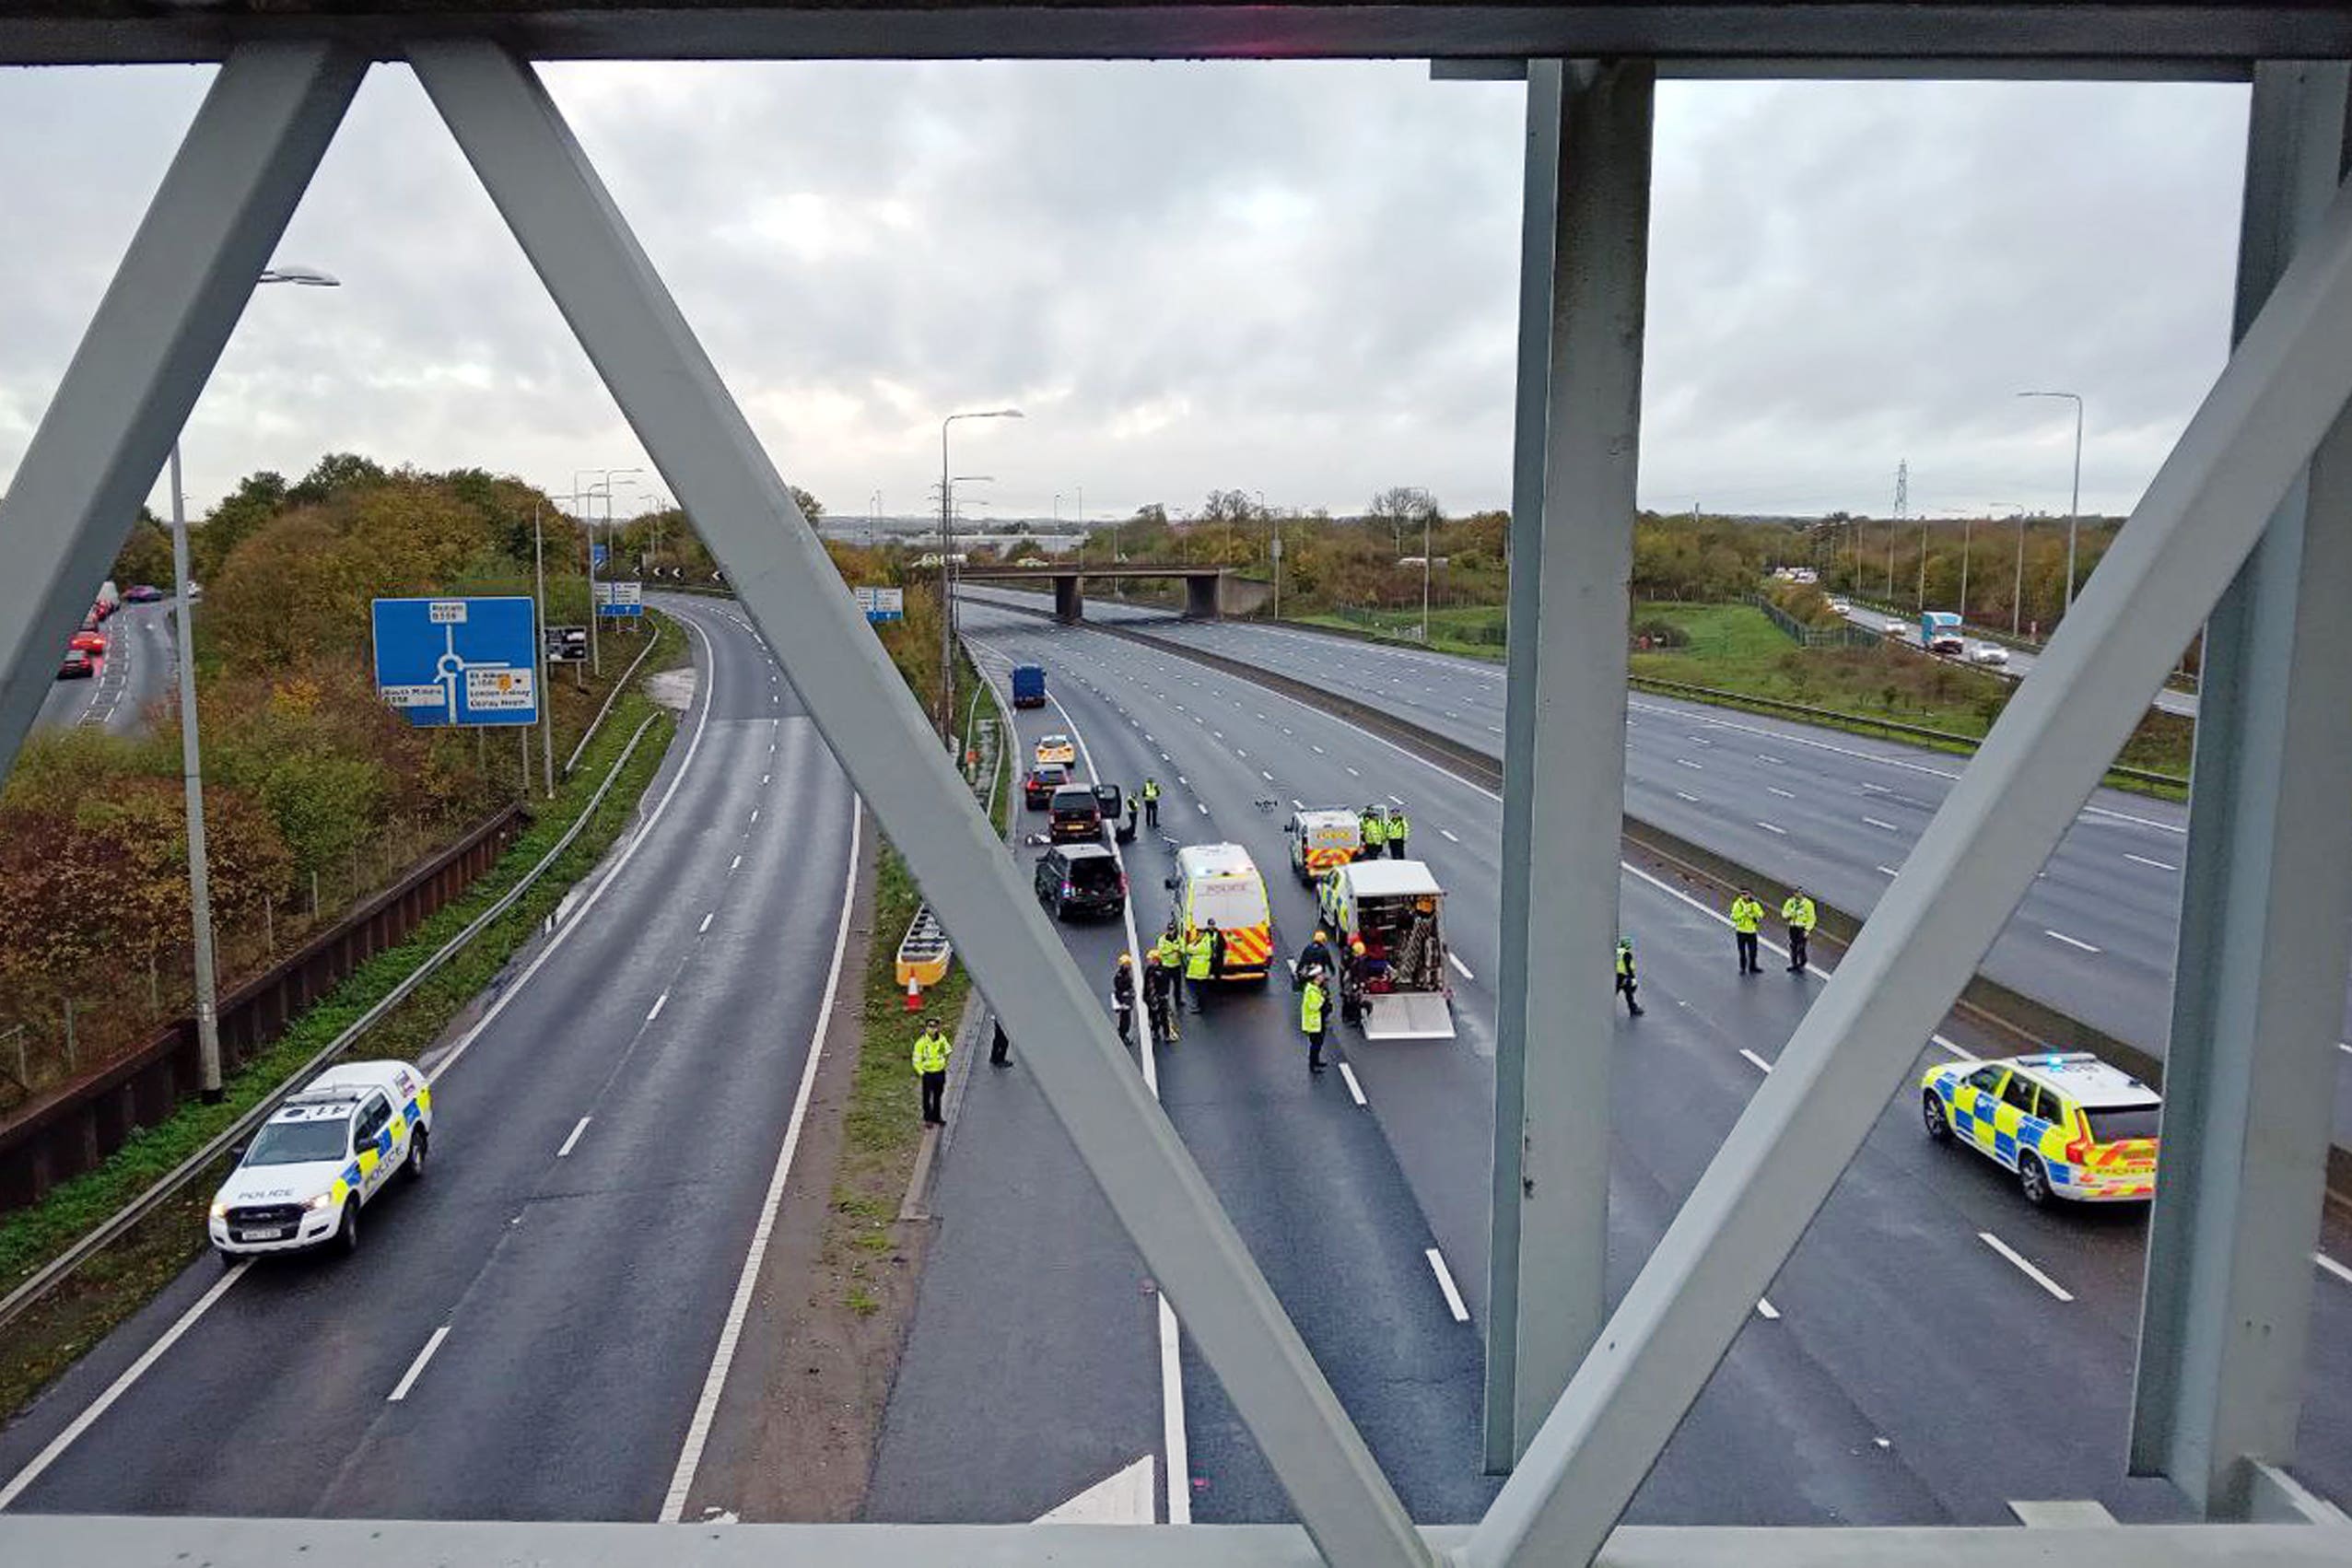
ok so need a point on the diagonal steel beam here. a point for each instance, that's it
(583, 250)
(2281, 391)
(183, 282)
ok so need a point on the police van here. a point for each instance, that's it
(331, 1148)
(1219, 882)
(1322, 839)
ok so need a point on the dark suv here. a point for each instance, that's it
(1083, 878)
(1077, 815)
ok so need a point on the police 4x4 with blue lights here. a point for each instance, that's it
(330, 1149)
(2067, 1123)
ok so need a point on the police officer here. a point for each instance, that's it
(1200, 956)
(1130, 817)
(1372, 828)
(1170, 951)
(1625, 980)
(1123, 994)
(932, 1049)
(1310, 1020)
(1401, 827)
(1150, 802)
(1747, 916)
(1798, 910)
(1317, 954)
(1157, 979)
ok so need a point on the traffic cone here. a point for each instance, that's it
(914, 995)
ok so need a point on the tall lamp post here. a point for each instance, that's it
(2017, 588)
(947, 549)
(595, 652)
(192, 770)
(2074, 506)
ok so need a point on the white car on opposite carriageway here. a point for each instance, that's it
(321, 1155)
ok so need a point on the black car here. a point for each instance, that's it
(1077, 815)
(1083, 878)
(1038, 788)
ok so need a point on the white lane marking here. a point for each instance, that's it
(1296, 804)
(1356, 1090)
(2143, 860)
(573, 1142)
(659, 1003)
(563, 932)
(417, 1368)
(1874, 822)
(1319, 750)
(2036, 1275)
(706, 922)
(1354, 774)
(1770, 1312)
(1266, 775)
(2069, 940)
(1180, 778)
(1759, 1063)
(1889, 871)
(1686, 762)
(1460, 968)
(1784, 794)
(1767, 757)
(754, 813)
(1770, 828)
(1203, 809)
(121, 1386)
(1241, 753)
(735, 862)
(705, 1408)
(1684, 795)
(765, 776)
(2333, 1267)
(1445, 1283)
(1447, 835)
(1869, 788)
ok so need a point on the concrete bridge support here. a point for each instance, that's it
(1204, 598)
(1069, 606)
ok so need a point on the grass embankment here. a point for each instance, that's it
(123, 1277)
(1734, 648)
(1475, 630)
(881, 1127)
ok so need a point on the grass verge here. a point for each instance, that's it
(123, 1277)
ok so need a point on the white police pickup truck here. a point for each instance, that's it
(330, 1149)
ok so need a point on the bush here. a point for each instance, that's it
(1657, 631)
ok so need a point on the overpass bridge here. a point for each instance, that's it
(1207, 590)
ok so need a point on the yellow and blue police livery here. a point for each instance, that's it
(321, 1155)
(2069, 1125)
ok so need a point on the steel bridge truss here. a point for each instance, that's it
(2249, 522)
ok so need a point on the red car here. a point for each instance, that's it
(76, 666)
(89, 642)
(1038, 788)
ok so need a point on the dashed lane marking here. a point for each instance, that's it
(1770, 828)
(659, 1003)
(1759, 1063)
(706, 922)
(1682, 795)
(2069, 940)
(1447, 834)
(417, 1368)
(1445, 1283)
(2143, 860)
(1874, 822)
(1686, 762)
(1766, 1310)
(2333, 1267)
(1460, 968)
(2030, 1272)
(1356, 1090)
(573, 1142)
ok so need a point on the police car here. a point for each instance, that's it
(2067, 1123)
(1056, 748)
(331, 1148)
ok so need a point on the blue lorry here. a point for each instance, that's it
(1028, 686)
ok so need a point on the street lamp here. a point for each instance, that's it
(2074, 506)
(2017, 591)
(595, 653)
(192, 770)
(946, 549)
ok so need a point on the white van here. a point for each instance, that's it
(1220, 882)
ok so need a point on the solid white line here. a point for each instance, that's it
(1445, 1283)
(121, 1386)
(2036, 1275)
(1770, 1313)
(1770, 828)
(417, 1367)
(2143, 860)
(698, 1429)
(2070, 942)
(1455, 960)
(1759, 1063)
(659, 1003)
(1356, 1090)
(706, 922)
(2333, 1267)
(1447, 835)
(1889, 826)
(571, 1142)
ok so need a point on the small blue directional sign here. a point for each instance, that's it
(598, 553)
(458, 660)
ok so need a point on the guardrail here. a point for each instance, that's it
(618, 687)
(60, 1269)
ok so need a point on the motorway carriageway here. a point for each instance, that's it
(135, 671)
(1934, 1349)
(528, 1332)
(2094, 938)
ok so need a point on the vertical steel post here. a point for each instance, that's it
(192, 787)
(153, 343)
(1583, 261)
(2266, 900)
(542, 184)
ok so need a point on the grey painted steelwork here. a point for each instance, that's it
(2258, 997)
(1563, 796)
(2281, 391)
(157, 333)
(583, 250)
(1874, 37)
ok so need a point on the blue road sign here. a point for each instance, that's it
(598, 554)
(622, 598)
(458, 660)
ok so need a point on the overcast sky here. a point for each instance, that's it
(1296, 279)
